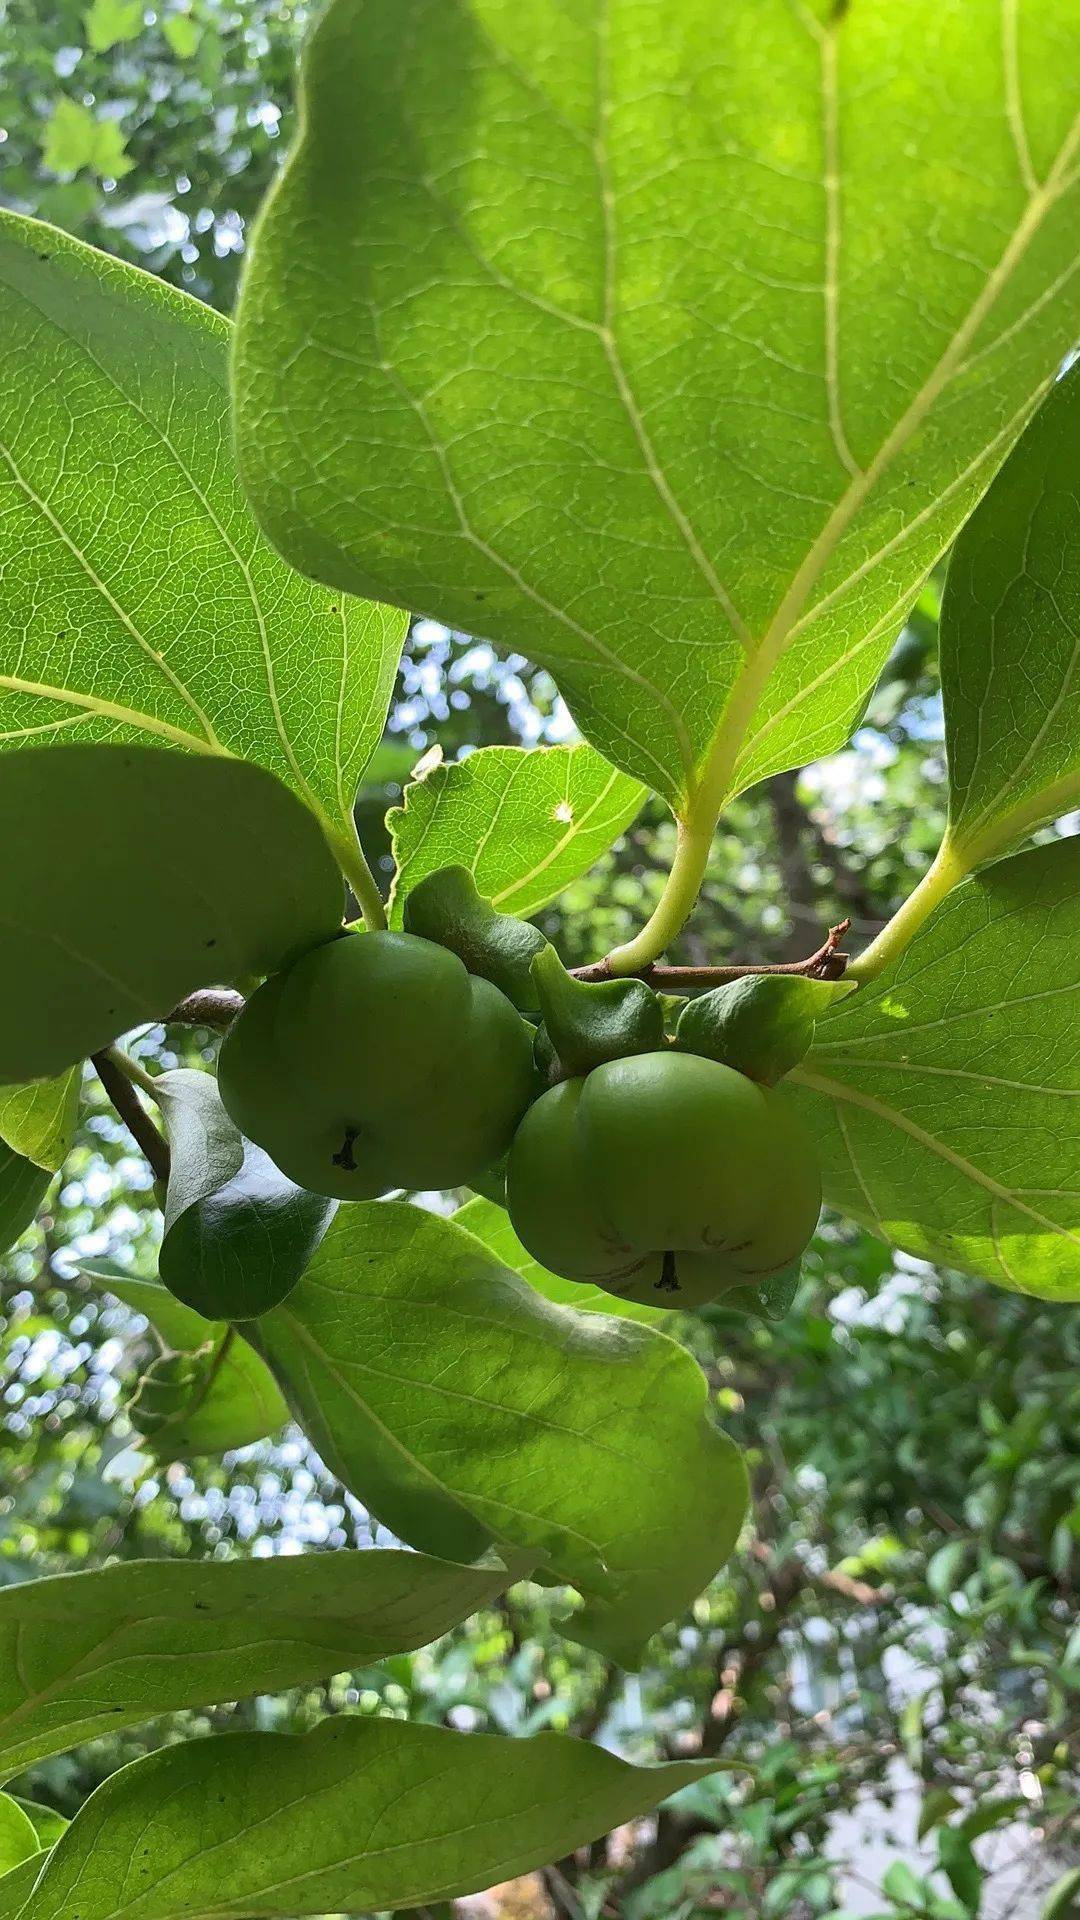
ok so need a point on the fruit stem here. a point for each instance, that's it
(350, 858)
(117, 1072)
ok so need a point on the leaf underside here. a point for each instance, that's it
(668, 346)
(945, 1096)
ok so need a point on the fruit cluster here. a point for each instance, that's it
(659, 1166)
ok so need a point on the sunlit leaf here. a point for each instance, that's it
(39, 1120)
(138, 598)
(945, 1096)
(1010, 639)
(668, 346)
(525, 823)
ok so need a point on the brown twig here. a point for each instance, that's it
(828, 963)
(209, 1007)
(132, 1112)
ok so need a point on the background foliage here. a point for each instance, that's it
(897, 1623)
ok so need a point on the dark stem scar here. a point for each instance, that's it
(669, 1279)
(345, 1157)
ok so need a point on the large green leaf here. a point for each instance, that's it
(136, 594)
(1010, 640)
(238, 1234)
(111, 1648)
(39, 1120)
(669, 345)
(524, 822)
(491, 1224)
(358, 1815)
(243, 1403)
(438, 1386)
(183, 871)
(945, 1096)
(23, 1187)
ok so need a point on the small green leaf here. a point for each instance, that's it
(18, 1840)
(935, 1807)
(23, 1187)
(229, 877)
(137, 599)
(238, 1234)
(944, 1096)
(1010, 640)
(183, 34)
(110, 22)
(39, 1120)
(960, 1867)
(446, 1394)
(524, 821)
(86, 1653)
(243, 1404)
(445, 906)
(762, 1025)
(591, 1022)
(490, 1222)
(904, 1886)
(599, 340)
(358, 1815)
(74, 138)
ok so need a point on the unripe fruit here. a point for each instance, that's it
(665, 1179)
(376, 1062)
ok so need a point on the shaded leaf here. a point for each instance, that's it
(46, 1822)
(242, 1405)
(591, 330)
(1010, 640)
(945, 1095)
(138, 598)
(452, 1399)
(359, 1814)
(87, 1653)
(238, 1234)
(16, 1884)
(18, 1839)
(960, 1866)
(39, 1120)
(23, 1187)
(525, 822)
(234, 880)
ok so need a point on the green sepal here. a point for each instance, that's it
(762, 1025)
(588, 1023)
(446, 907)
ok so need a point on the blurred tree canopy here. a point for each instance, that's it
(897, 1623)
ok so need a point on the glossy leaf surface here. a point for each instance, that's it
(452, 1399)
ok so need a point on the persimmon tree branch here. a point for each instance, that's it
(114, 1071)
(827, 963)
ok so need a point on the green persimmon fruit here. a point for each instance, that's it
(665, 1179)
(377, 1061)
